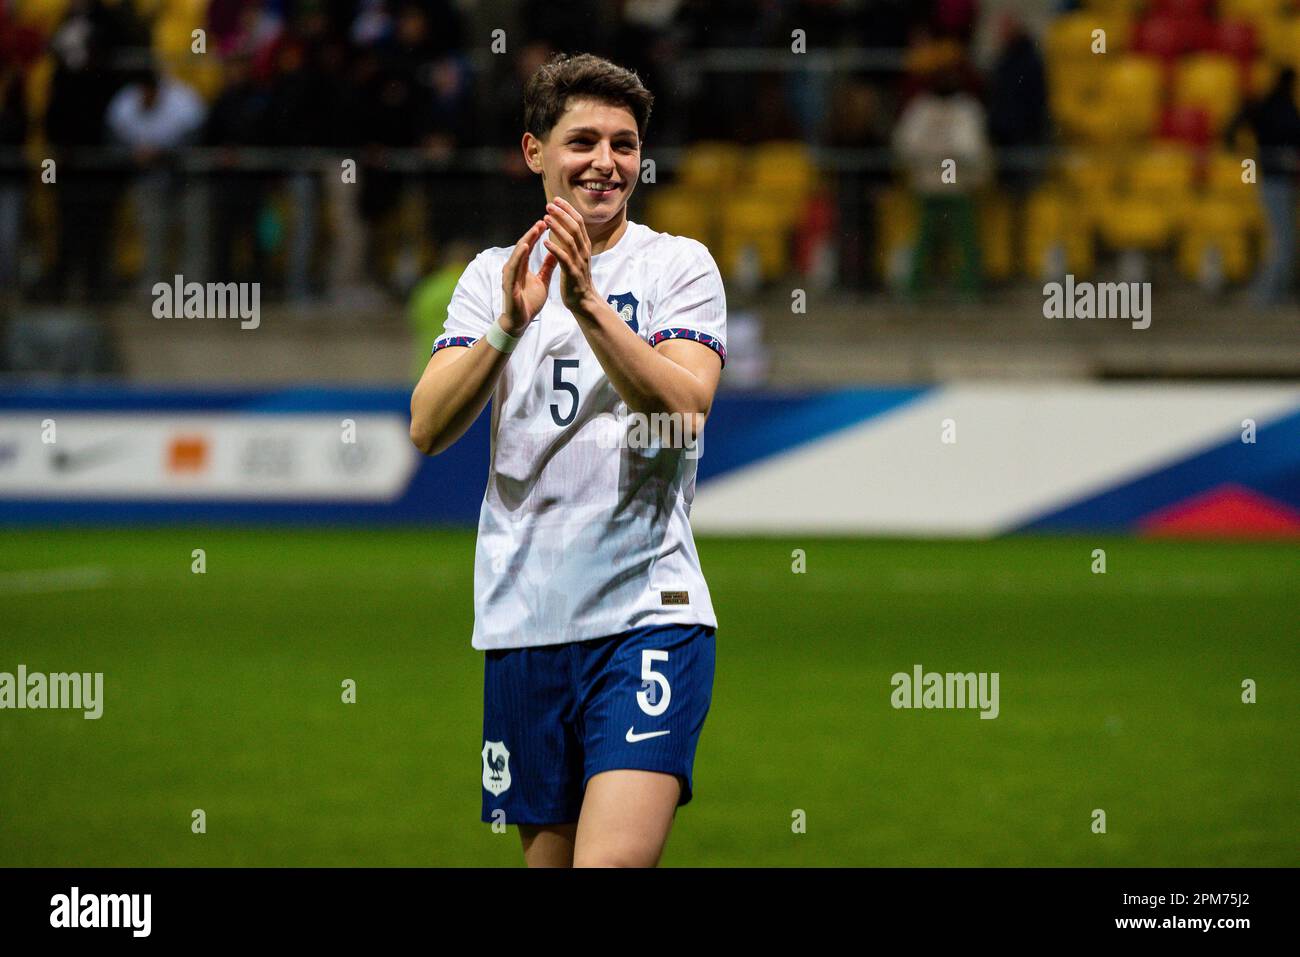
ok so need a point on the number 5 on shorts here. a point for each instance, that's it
(648, 676)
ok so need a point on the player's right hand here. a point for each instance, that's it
(524, 291)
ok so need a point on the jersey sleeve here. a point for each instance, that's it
(692, 302)
(470, 311)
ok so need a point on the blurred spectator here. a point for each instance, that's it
(516, 198)
(154, 116)
(242, 27)
(648, 42)
(883, 24)
(937, 127)
(13, 133)
(1018, 118)
(928, 56)
(451, 194)
(824, 23)
(298, 113)
(80, 90)
(1275, 123)
(373, 25)
(989, 39)
(570, 26)
(727, 99)
(770, 117)
(452, 108)
(1017, 99)
(238, 118)
(955, 18)
(393, 119)
(858, 121)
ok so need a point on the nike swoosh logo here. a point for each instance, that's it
(633, 737)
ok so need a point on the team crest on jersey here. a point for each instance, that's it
(625, 305)
(496, 767)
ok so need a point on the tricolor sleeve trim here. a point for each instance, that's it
(444, 341)
(701, 337)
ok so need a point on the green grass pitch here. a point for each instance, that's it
(1119, 691)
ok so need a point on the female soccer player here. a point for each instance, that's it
(589, 601)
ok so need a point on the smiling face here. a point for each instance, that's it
(592, 143)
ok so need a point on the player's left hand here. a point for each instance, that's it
(571, 246)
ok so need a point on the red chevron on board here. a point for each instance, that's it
(1228, 511)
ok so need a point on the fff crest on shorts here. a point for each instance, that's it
(625, 304)
(496, 767)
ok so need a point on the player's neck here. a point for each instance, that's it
(614, 232)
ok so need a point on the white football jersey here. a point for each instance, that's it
(582, 533)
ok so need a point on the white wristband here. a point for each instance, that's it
(501, 340)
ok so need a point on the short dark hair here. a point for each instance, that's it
(582, 76)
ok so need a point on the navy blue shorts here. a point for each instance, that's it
(555, 715)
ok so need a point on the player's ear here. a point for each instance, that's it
(532, 148)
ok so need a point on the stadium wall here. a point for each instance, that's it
(950, 461)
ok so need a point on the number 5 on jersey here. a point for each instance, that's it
(558, 383)
(649, 677)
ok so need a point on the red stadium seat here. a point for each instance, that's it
(1183, 9)
(1158, 37)
(1171, 37)
(1187, 124)
(1237, 39)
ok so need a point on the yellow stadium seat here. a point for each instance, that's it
(748, 220)
(1075, 72)
(1210, 81)
(44, 16)
(148, 9)
(1218, 227)
(1288, 51)
(1089, 175)
(1255, 10)
(1132, 88)
(1073, 104)
(681, 211)
(1223, 180)
(1051, 230)
(194, 11)
(1129, 221)
(1069, 37)
(1263, 73)
(711, 165)
(1277, 38)
(1070, 51)
(785, 172)
(39, 78)
(1102, 123)
(1165, 175)
(897, 221)
(172, 45)
(997, 236)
